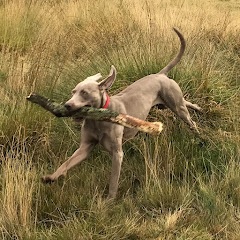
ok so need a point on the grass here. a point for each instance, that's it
(176, 186)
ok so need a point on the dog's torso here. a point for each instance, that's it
(136, 100)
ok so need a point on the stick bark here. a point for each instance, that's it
(96, 114)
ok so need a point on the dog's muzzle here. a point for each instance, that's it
(68, 106)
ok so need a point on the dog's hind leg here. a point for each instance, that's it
(183, 113)
(193, 106)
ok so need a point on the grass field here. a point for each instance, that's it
(179, 185)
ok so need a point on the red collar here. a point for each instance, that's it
(107, 102)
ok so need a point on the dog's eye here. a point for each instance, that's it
(73, 92)
(84, 93)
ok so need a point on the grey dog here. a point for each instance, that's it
(136, 100)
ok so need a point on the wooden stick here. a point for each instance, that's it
(96, 114)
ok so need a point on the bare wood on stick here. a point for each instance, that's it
(97, 114)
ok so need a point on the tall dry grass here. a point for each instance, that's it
(18, 187)
(176, 186)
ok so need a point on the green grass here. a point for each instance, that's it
(179, 185)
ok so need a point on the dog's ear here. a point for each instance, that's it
(107, 83)
(95, 77)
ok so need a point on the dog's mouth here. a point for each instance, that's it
(79, 119)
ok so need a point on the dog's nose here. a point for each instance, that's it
(68, 106)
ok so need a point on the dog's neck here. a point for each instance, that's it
(105, 100)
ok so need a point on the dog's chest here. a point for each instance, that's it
(98, 129)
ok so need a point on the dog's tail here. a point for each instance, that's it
(178, 57)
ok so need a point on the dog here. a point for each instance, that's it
(136, 100)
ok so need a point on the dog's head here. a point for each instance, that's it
(90, 92)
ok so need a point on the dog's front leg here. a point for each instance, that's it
(78, 156)
(115, 173)
(112, 142)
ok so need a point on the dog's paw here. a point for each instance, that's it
(47, 179)
(197, 108)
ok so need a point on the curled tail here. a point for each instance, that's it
(178, 57)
